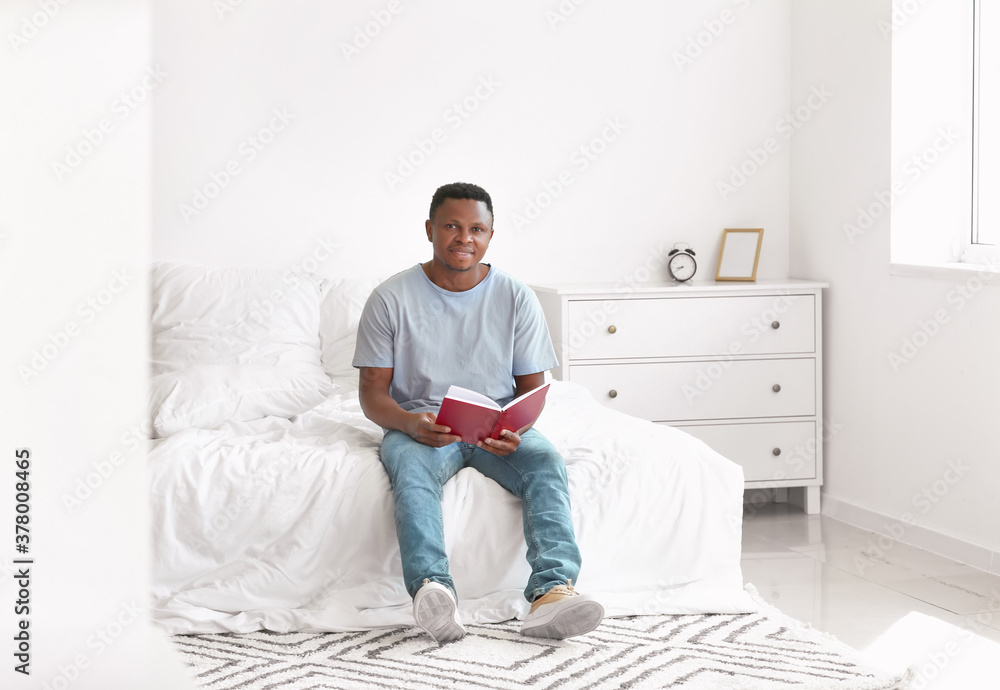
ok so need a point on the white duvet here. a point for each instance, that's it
(287, 524)
(271, 510)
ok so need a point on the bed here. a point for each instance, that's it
(271, 510)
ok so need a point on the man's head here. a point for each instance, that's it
(460, 190)
(460, 227)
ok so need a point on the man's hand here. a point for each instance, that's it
(422, 427)
(505, 445)
(379, 407)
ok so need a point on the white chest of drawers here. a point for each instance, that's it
(737, 365)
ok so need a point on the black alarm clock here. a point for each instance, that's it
(681, 264)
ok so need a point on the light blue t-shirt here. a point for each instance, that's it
(433, 338)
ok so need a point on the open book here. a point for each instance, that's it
(474, 417)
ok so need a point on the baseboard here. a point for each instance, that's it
(915, 535)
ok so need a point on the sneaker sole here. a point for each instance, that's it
(572, 619)
(436, 615)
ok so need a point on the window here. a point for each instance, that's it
(932, 133)
(945, 132)
(986, 128)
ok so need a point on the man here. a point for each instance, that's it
(455, 320)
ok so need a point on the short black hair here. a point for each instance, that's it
(460, 190)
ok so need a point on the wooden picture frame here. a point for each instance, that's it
(739, 255)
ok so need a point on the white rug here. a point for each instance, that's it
(765, 650)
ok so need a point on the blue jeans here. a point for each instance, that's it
(535, 473)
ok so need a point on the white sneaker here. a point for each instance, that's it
(436, 611)
(562, 612)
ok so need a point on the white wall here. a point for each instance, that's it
(74, 245)
(554, 86)
(913, 427)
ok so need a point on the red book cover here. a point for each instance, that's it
(474, 417)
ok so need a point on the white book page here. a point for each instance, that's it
(519, 398)
(472, 397)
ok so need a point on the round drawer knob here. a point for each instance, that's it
(776, 388)
(612, 329)
(776, 452)
(612, 393)
(775, 325)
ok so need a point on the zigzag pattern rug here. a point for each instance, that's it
(764, 651)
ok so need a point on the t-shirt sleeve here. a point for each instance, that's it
(375, 335)
(533, 351)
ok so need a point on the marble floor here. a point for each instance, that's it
(898, 604)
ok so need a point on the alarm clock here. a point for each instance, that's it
(681, 264)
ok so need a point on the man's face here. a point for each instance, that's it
(460, 232)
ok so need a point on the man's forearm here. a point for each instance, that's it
(420, 426)
(383, 410)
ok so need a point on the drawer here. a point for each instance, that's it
(754, 445)
(691, 327)
(702, 390)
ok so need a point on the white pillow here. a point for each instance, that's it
(343, 300)
(206, 395)
(233, 343)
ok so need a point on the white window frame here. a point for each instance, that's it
(983, 245)
(933, 224)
